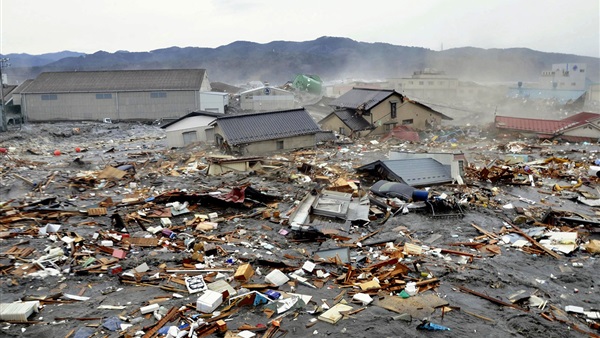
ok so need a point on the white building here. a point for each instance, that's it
(566, 76)
(267, 98)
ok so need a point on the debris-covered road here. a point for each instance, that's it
(107, 233)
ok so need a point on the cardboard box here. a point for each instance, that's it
(209, 301)
(244, 272)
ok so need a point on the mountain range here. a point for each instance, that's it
(332, 58)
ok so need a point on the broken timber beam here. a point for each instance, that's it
(534, 242)
(491, 299)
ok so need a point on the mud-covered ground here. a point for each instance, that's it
(560, 282)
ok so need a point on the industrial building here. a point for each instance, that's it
(116, 95)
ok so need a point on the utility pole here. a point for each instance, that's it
(3, 64)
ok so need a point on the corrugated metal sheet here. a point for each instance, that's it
(547, 127)
(352, 120)
(117, 81)
(414, 172)
(362, 98)
(255, 127)
(531, 125)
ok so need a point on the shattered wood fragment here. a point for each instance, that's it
(535, 243)
(97, 211)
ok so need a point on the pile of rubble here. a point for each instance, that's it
(129, 239)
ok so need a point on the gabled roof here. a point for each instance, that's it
(354, 121)
(7, 90)
(196, 113)
(117, 80)
(364, 99)
(544, 126)
(255, 127)
(414, 172)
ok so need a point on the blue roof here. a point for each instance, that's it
(246, 128)
(563, 96)
(414, 172)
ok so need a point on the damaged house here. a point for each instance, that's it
(580, 127)
(115, 95)
(262, 133)
(415, 172)
(191, 128)
(362, 112)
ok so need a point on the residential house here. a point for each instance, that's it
(267, 98)
(191, 128)
(115, 94)
(377, 111)
(261, 133)
(580, 127)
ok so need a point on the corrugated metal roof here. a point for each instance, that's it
(255, 127)
(544, 126)
(364, 99)
(532, 125)
(352, 120)
(414, 172)
(117, 80)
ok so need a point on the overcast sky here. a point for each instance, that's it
(42, 26)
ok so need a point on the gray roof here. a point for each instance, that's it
(255, 127)
(352, 120)
(414, 172)
(361, 98)
(117, 80)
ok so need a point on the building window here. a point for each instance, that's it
(408, 121)
(394, 110)
(421, 83)
(47, 97)
(389, 126)
(573, 84)
(342, 131)
(103, 96)
(158, 95)
(582, 70)
(431, 83)
(411, 82)
(441, 83)
(280, 145)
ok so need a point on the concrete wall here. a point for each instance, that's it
(120, 106)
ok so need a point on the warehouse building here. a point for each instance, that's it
(116, 95)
